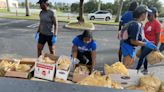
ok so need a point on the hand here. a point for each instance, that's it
(54, 39)
(37, 36)
(150, 45)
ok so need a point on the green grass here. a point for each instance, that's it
(80, 26)
(35, 16)
(3, 10)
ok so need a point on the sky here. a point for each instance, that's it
(72, 1)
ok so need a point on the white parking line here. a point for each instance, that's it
(12, 22)
(33, 25)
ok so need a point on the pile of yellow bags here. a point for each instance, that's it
(64, 63)
(148, 83)
(155, 57)
(162, 87)
(116, 68)
(96, 79)
(7, 66)
(23, 68)
(82, 69)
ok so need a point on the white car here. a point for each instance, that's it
(106, 15)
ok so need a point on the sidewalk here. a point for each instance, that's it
(157, 70)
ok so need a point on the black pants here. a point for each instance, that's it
(142, 59)
(161, 48)
(84, 57)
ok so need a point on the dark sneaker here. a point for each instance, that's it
(145, 72)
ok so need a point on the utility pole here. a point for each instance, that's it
(119, 11)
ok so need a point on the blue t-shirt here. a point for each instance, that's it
(135, 32)
(83, 47)
(126, 17)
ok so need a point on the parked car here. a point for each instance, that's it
(100, 15)
(161, 19)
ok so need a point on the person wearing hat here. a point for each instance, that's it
(152, 32)
(135, 36)
(84, 48)
(152, 27)
(48, 28)
(126, 17)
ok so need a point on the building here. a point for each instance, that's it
(2, 4)
(12, 3)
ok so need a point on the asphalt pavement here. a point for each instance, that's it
(17, 41)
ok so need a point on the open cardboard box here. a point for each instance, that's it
(78, 77)
(62, 74)
(25, 75)
(43, 70)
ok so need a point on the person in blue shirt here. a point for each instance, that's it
(84, 48)
(126, 17)
(135, 36)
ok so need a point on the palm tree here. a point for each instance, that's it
(81, 8)
(119, 11)
(8, 7)
(99, 5)
(27, 8)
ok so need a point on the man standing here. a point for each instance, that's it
(152, 27)
(48, 28)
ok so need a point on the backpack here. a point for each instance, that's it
(123, 33)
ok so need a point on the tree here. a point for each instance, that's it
(8, 7)
(81, 8)
(90, 6)
(27, 8)
(75, 7)
(119, 11)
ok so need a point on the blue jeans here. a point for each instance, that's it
(142, 58)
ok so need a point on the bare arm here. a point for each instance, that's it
(138, 43)
(93, 55)
(55, 23)
(157, 38)
(74, 51)
(38, 28)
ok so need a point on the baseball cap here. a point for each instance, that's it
(154, 10)
(42, 1)
(87, 33)
(142, 9)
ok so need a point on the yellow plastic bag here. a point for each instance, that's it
(116, 68)
(150, 81)
(142, 88)
(96, 79)
(155, 57)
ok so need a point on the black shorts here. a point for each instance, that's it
(45, 38)
(84, 57)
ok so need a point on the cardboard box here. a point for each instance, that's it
(18, 74)
(78, 77)
(45, 71)
(62, 74)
